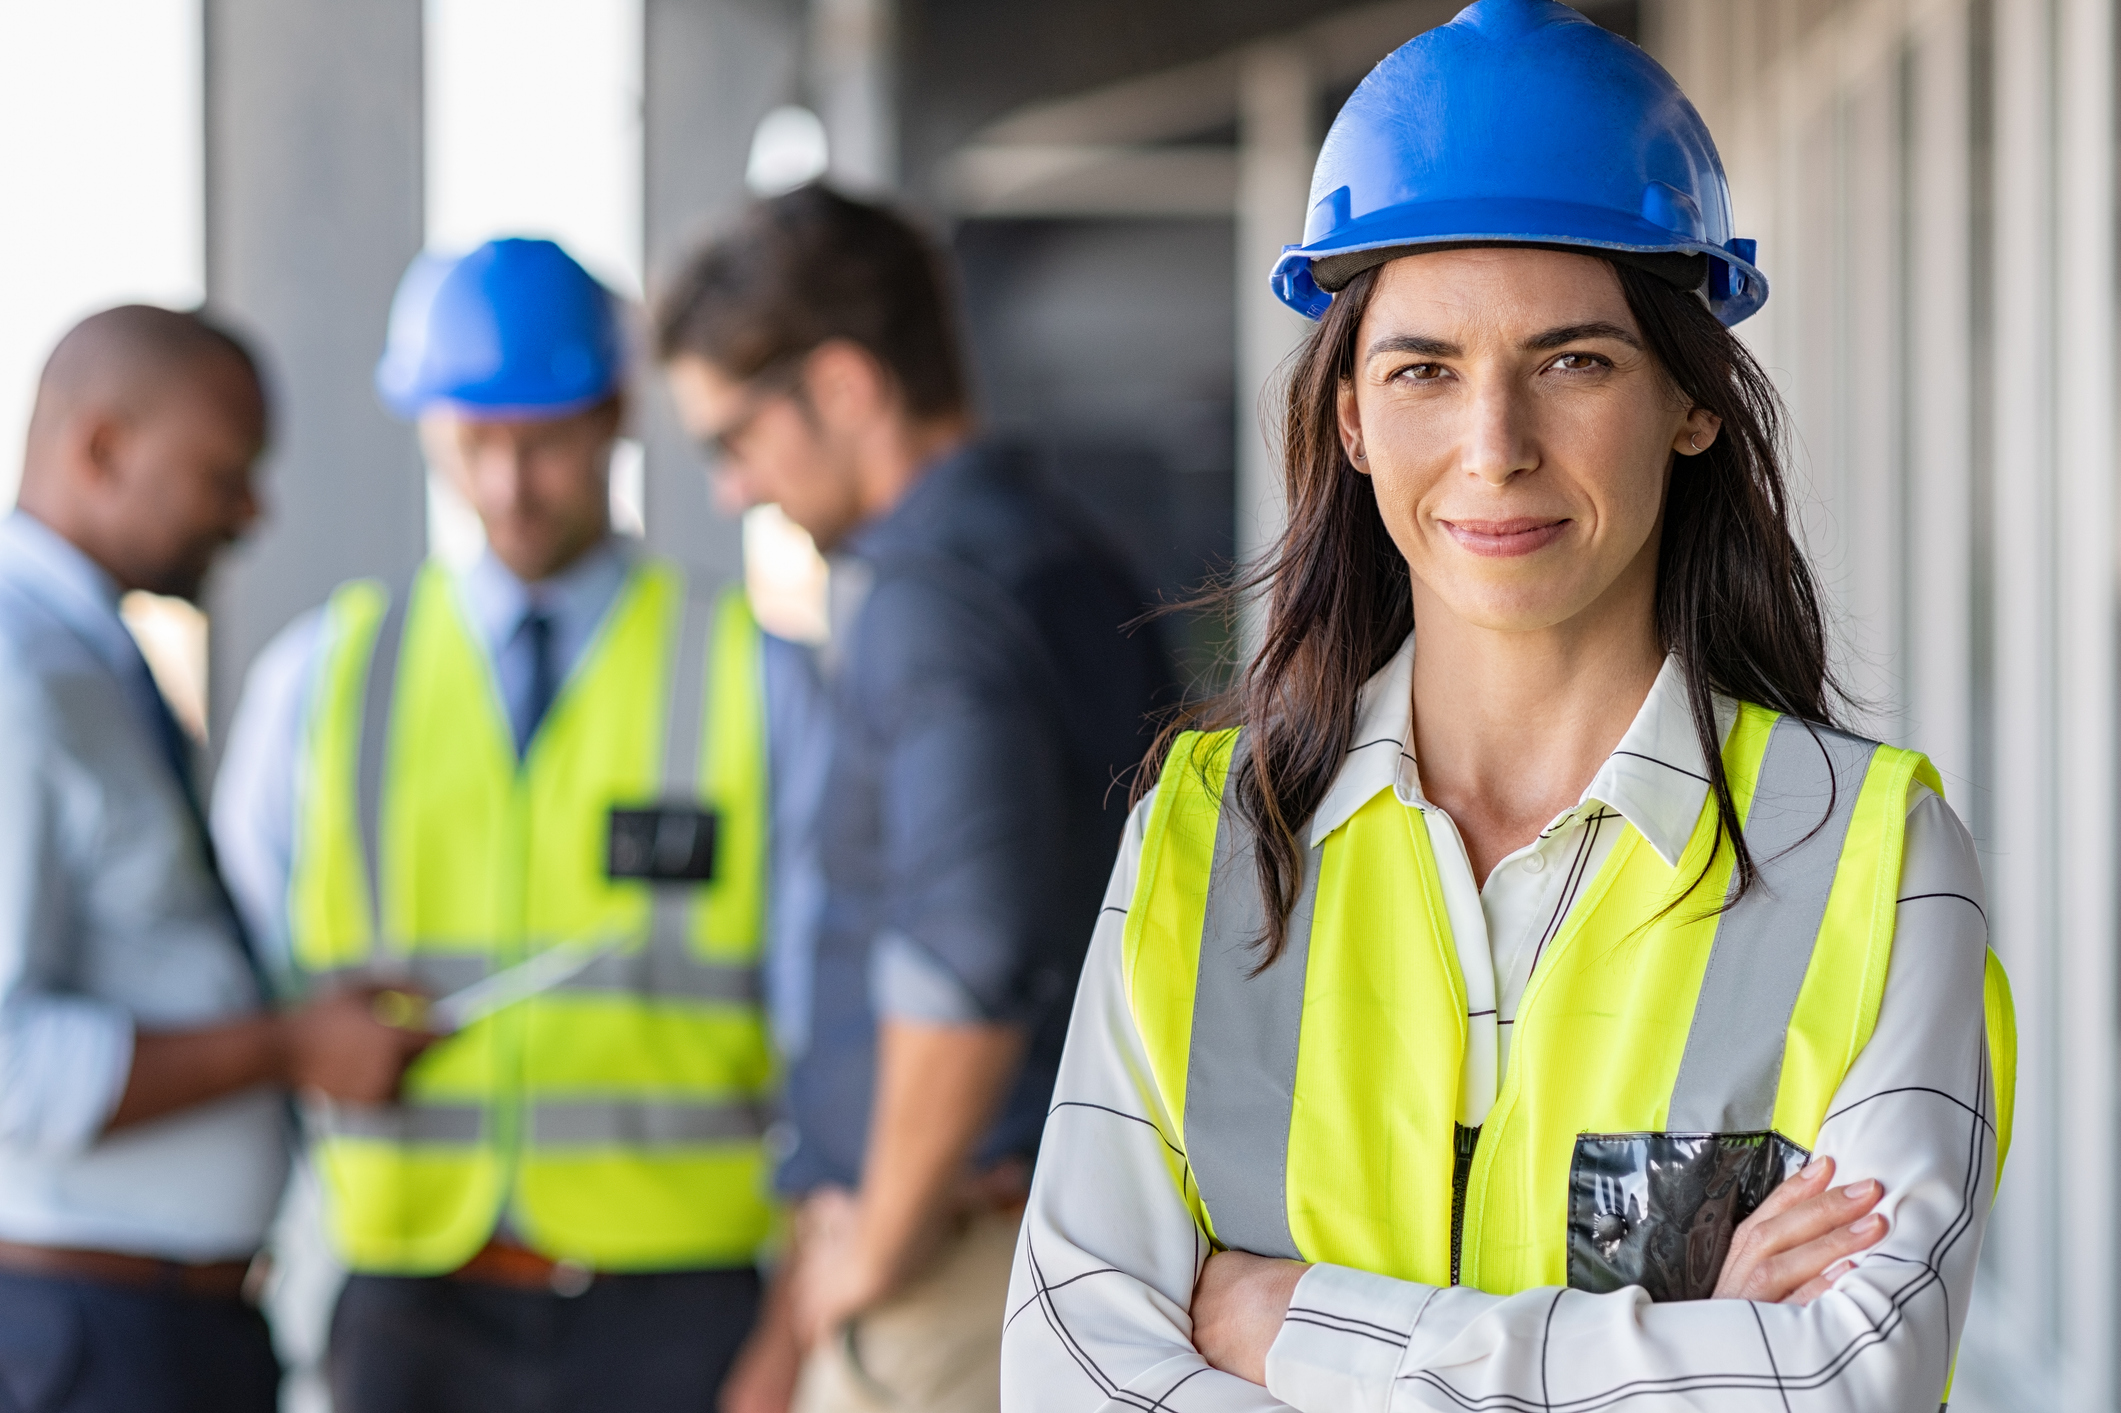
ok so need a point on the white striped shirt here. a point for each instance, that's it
(1098, 1306)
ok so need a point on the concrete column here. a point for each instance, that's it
(852, 63)
(711, 70)
(1940, 539)
(313, 162)
(2021, 875)
(1277, 128)
(2084, 776)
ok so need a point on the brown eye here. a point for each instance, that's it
(1421, 372)
(1579, 362)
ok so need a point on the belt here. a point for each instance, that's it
(214, 1280)
(515, 1267)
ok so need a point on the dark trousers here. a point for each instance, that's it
(631, 1344)
(73, 1346)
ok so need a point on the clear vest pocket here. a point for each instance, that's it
(1658, 1209)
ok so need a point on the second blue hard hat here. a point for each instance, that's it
(516, 328)
(1521, 122)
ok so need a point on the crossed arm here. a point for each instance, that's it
(1104, 1310)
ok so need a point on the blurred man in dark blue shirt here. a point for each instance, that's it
(985, 696)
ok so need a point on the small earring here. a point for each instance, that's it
(1694, 441)
(1359, 456)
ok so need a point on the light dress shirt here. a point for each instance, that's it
(1106, 1266)
(110, 919)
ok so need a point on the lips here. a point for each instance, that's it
(1504, 539)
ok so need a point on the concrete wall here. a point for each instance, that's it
(712, 70)
(313, 161)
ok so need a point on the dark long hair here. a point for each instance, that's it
(1737, 603)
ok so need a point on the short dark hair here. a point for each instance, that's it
(813, 265)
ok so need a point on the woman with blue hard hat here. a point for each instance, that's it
(1497, 1003)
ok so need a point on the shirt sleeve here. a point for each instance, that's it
(64, 1057)
(1099, 1300)
(1109, 1253)
(971, 802)
(253, 817)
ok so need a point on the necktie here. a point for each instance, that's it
(177, 752)
(535, 634)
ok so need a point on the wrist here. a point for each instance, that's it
(279, 1054)
(873, 1268)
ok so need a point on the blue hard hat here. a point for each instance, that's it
(515, 328)
(1521, 122)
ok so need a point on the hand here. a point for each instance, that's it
(337, 1046)
(1239, 1304)
(834, 1279)
(1793, 1249)
(763, 1378)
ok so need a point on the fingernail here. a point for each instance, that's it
(1861, 1191)
(1869, 1226)
(1839, 1269)
(1813, 1168)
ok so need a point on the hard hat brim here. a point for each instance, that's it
(474, 411)
(1416, 225)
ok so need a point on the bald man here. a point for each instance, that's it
(143, 1138)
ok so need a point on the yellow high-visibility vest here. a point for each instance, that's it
(616, 1118)
(1673, 1057)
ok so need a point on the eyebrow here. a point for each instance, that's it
(1577, 333)
(1414, 343)
(1550, 339)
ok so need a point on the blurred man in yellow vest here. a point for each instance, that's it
(536, 791)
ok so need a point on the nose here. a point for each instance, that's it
(1498, 442)
(732, 489)
(504, 463)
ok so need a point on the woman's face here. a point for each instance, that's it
(1518, 432)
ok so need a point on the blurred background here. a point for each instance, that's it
(1932, 183)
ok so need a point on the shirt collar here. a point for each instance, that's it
(577, 596)
(1655, 778)
(70, 584)
(933, 488)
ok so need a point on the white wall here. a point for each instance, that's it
(534, 129)
(100, 162)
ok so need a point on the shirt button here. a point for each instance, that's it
(1533, 863)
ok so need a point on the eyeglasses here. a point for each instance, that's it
(779, 380)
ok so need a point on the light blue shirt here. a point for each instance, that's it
(109, 919)
(254, 796)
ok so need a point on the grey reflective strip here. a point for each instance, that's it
(1764, 941)
(684, 723)
(1241, 1061)
(376, 697)
(403, 1123)
(664, 971)
(650, 972)
(684, 731)
(643, 1124)
(437, 973)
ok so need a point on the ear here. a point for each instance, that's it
(100, 439)
(612, 415)
(1697, 433)
(846, 385)
(444, 451)
(1349, 415)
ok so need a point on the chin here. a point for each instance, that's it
(1507, 612)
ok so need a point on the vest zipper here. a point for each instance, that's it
(1464, 1141)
